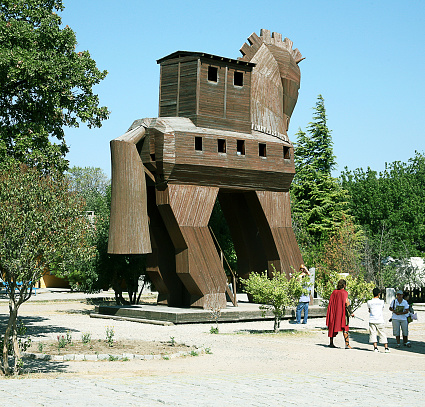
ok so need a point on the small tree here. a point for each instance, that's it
(41, 226)
(359, 290)
(276, 293)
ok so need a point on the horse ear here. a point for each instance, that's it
(129, 222)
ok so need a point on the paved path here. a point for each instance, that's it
(348, 389)
(245, 369)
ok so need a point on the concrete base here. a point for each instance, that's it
(245, 311)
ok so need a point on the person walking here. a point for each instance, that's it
(400, 309)
(376, 321)
(337, 314)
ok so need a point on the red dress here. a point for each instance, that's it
(335, 317)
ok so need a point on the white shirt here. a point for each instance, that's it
(394, 304)
(376, 306)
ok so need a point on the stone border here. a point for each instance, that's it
(104, 356)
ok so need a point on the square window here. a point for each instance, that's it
(152, 157)
(221, 145)
(240, 147)
(238, 79)
(286, 152)
(262, 150)
(198, 143)
(213, 74)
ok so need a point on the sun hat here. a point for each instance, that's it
(400, 292)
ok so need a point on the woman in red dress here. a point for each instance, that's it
(337, 317)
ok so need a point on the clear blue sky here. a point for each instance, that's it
(366, 58)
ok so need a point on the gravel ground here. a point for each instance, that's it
(239, 347)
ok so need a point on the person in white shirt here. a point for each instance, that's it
(400, 309)
(376, 321)
(304, 299)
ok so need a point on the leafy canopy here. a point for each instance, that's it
(390, 204)
(276, 293)
(42, 228)
(42, 225)
(319, 204)
(359, 290)
(44, 83)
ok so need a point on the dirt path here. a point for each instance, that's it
(239, 347)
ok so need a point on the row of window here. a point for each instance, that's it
(213, 76)
(240, 147)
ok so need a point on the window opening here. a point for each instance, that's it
(213, 74)
(198, 143)
(240, 147)
(286, 153)
(262, 150)
(238, 79)
(152, 157)
(221, 145)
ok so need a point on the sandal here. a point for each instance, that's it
(347, 341)
(332, 345)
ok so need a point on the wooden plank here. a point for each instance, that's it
(129, 229)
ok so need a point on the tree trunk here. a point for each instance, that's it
(276, 324)
(11, 332)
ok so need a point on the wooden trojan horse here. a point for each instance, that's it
(221, 134)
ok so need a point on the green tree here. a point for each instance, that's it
(92, 184)
(343, 251)
(359, 290)
(42, 225)
(319, 203)
(44, 83)
(392, 201)
(276, 293)
(389, 207)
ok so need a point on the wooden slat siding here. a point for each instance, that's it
(169, 88)
(161, 264)
(238, 97)
(211, 94)
(198, 86)
(178, 162)
(192, 207)
(186, 92)
(278, 211)
(185, 211)
(188, 87)
(286, 60)
(290, 96)
(203, 256)
(280, 233)
(248, 245)
(267, 92)
(222, 124)
(129, 229)
(228, 178)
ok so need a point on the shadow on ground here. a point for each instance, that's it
(361, 336)
(43, 366)
(33, 329)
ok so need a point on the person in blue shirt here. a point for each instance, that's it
(304, 299)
